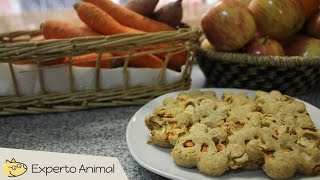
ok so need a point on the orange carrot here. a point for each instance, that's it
(103, 23)
(130, 18)
(57, 29)
(86, 28)
(176, 60)
(52, 62)
(23, 62)
(149, 60)
(100, 21)
(89, 60)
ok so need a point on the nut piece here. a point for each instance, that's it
(188, 144)
(204, 148)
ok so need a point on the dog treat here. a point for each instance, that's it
(173, 119)
(272, 131)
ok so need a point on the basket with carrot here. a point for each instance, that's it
(117, 56)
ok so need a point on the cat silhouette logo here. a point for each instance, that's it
(13, 168)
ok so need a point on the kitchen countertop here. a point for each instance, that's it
(98, 132)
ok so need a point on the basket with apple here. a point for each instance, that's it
(262, 44)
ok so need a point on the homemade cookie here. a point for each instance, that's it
(272, 131)
(174, 118)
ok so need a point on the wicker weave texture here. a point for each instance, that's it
(14, 47)
(290, 75)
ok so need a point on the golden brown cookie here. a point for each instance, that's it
(272, 131)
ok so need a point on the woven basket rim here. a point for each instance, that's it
(23, 50)
(277, 61)
(20, 32)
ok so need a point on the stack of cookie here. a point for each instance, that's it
(271, 131)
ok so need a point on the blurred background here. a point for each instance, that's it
(23, 6)
(28, 14)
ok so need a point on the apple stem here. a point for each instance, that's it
(262, 41)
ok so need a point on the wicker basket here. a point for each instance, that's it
(15, 47)
(290, 75)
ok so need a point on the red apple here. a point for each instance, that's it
(228, 25)
(264, 46)
(303, 46)
(245, 2)
(310, 7)
(313, 26)
(277, 19)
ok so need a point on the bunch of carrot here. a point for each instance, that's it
(103, 17)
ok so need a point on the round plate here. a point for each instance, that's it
(159, 161)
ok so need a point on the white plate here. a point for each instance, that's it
(159, 161)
